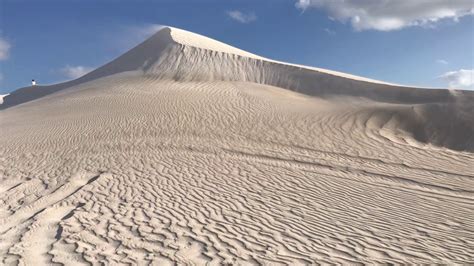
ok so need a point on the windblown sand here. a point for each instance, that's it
(185, 150)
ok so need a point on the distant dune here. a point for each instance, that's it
(187, 150)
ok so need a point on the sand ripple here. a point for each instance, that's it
(145, 171)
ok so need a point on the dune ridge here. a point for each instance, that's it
(185, 150)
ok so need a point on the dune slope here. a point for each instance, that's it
(187, 150)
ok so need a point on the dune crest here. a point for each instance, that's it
(185, 150)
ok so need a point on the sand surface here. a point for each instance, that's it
(186, 150)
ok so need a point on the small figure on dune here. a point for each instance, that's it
(33, 82)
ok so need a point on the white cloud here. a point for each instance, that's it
(74, 72)
(463, 78)
(441, 61)
(386, 15)
(329, 31)
(4, 49)
(242, 17)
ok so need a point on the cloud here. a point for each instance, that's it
(386, 15)
(463, 78)
(242, 17)
(4, 49)
(329, 31)
(441, 61)
(74, 72)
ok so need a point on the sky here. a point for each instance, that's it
(428, 43)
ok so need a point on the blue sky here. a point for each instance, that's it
(423, 43)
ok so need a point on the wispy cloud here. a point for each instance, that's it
(442, 62)
(241, 16)
(390, 14)
(4, 49)
(461, 79)
(329, 31)
(74, 72)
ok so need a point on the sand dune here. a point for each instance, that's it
(187, 150)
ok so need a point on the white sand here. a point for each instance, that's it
(188, 150)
